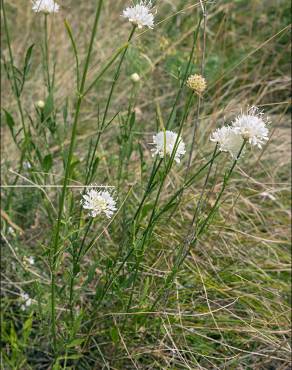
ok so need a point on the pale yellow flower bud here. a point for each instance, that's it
(197, 83)
(40, 104)
(135, 77)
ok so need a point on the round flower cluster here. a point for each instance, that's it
(250, 126)
(167, 141)
(197, 83)
(98, 202)
(140, 14)
(45, 6)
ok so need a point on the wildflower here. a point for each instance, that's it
(252, 126)
(165, 143)
(135, 77)
(40, 104)
(11, 231)
(140, 14)
(27, 301)
(228, 139)
(197, 83)
(46, 6)
(99, 202)
(26, 165)
(31, 260)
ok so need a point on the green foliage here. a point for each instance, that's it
(153, 287)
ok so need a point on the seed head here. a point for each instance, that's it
(197, 83)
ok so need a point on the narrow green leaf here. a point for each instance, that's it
(9, 121)
(49, 106)
(70, 34)
(75, 343)
(47, 163)
(27, 62)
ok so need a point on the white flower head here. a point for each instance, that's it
(11, 231)
(252, 126)
(30, 260)
(45, 6)
(140, 14)
(98, 202)
(27, 301)
(228, 139)
(165, 142)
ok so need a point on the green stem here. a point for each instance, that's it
(185, 186)
(197, 119)
(75, 270)
(197, 210)
(16, 93)
(196, 32)
(225, 182)
(19, 105)
(149, 228)
(46, 50)
(116, 76)
(66, 178)
(183, 254)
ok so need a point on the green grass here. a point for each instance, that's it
(228, 306)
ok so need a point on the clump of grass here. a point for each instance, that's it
(186, 264)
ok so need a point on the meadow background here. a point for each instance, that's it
(229, 304)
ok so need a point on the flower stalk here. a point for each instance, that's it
(55, 242)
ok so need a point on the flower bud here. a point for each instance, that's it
(40, 104)
(135, 77)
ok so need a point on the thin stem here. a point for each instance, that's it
(197, 119)
(46, 50)
(149, 228)
(225, 182)
(16, 93)
(204, 187)
(185, 186)
(84, 237)
(101, 73)
(116, 76)
(19, 105)
(75, 269)
(96, 144)
(154, 169)
(185, 248)
(66, 178)
(148, 188)
(196, 32)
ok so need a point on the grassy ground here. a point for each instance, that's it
(229, 305)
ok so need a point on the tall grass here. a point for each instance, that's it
(184, 264)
